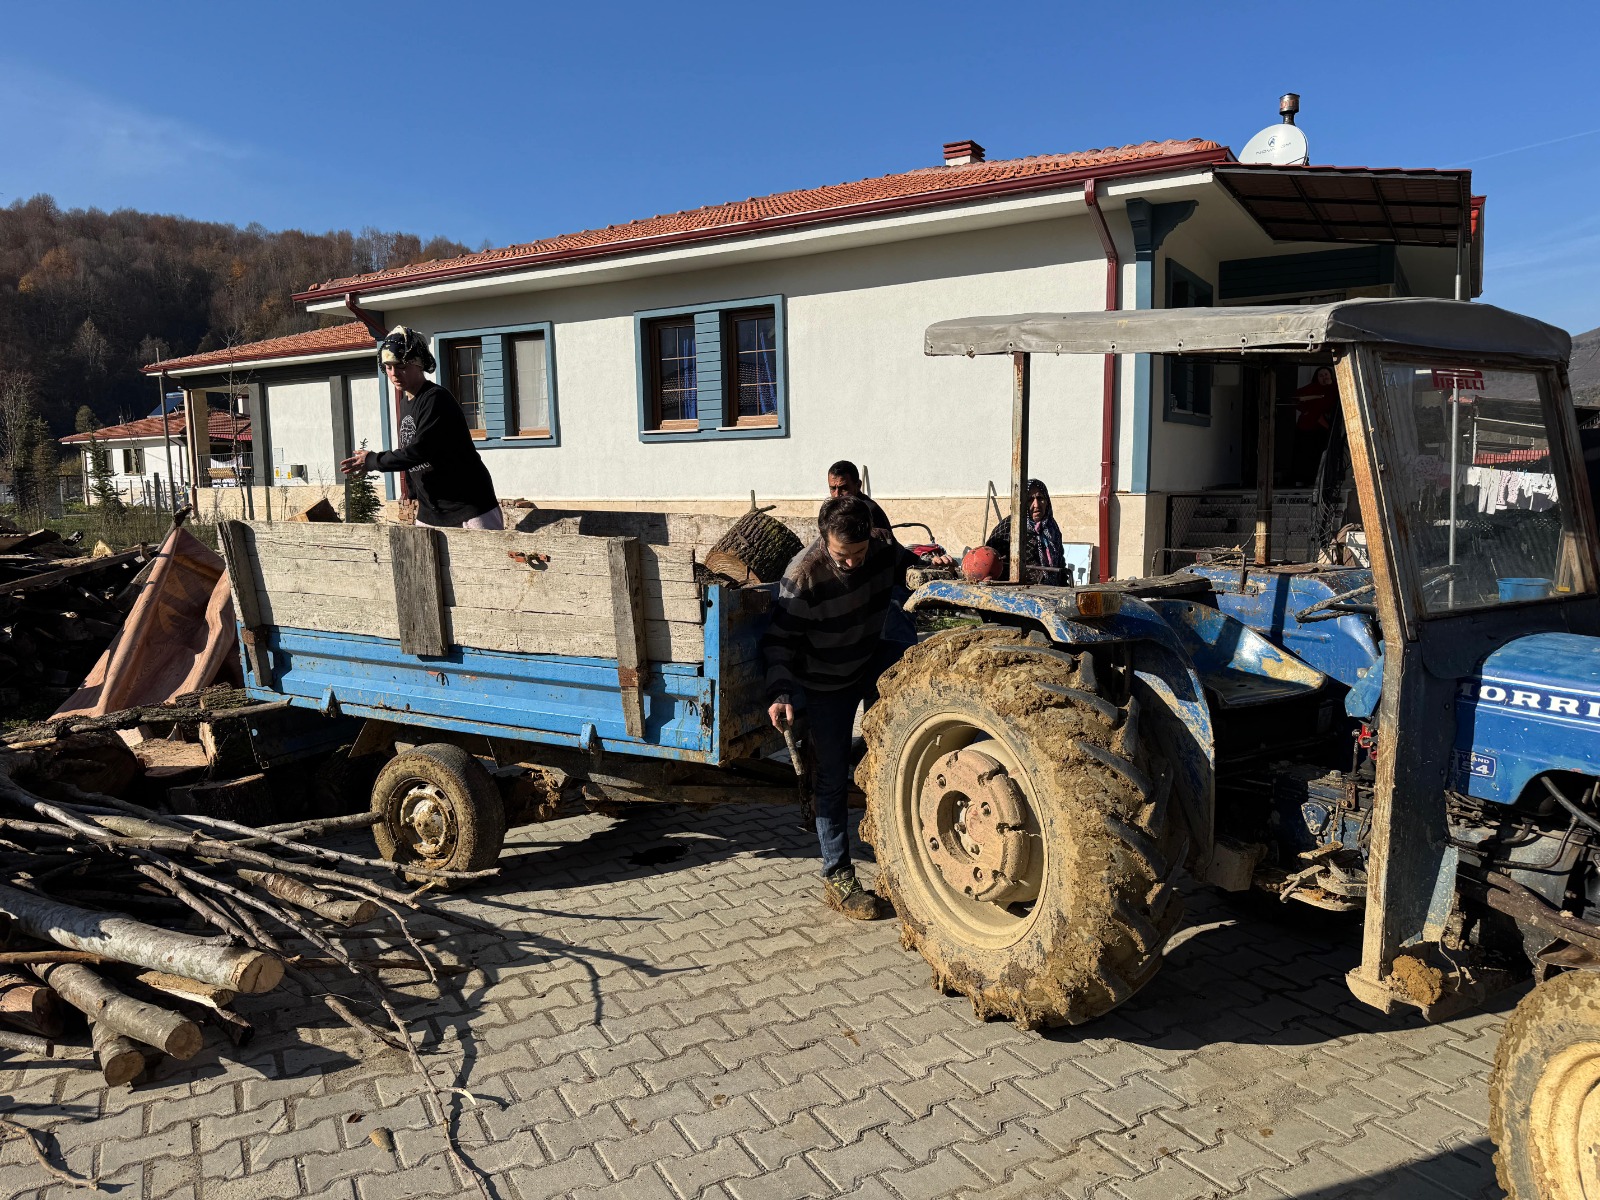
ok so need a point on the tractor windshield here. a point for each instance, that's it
(1486, 519)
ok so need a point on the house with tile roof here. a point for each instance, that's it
(149, 457)
(684, 361)
(307, 400)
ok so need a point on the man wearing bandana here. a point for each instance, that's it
(434, 447)
(1041, 536)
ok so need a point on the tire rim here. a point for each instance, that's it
(427, 820)
(1564, 1123)
(951, 769)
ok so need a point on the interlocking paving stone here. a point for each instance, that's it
(708, 1029)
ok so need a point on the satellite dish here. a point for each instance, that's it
(1282, 145)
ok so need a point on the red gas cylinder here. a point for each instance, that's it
(982, 563)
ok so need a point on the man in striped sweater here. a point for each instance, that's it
(824, 652)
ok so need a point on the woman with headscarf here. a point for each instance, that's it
(1041, 536)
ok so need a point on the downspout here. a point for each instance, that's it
(1108, 400)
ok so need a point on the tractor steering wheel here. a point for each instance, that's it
(1336, 606)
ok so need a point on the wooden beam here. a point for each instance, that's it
(627, 612)
(236, 541)
(418, 590)
(1266, 445)
(1021, 371)
(32, 583)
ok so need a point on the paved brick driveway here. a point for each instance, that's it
(702, 1027)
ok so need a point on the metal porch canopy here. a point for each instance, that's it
(1354, 204)
(1446, 325)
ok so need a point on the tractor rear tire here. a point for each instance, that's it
(440, 809)
(1022, 824)
(1544, 1095)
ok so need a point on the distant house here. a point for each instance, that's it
(149, 456)
(682, 361)
(308, 400)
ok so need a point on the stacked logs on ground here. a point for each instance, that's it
(60, 606)
(151, 924)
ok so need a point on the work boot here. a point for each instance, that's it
(843, 892)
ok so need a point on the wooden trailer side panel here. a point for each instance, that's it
(530, 593)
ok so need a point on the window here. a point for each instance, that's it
(505, 378)
(752, 353)
(465, 361)
(132, 461)
(712, 371)
(1188, 380)
(674, 375)
(528, 387)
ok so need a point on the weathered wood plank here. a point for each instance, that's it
(418, 590)
(236, 540)
(627, 613)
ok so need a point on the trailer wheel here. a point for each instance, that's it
(1021, 825)
(1544, 1096)
(440, 809)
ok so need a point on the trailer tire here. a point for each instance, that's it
(1057, 909)
(1544, 1095)
(438, 808)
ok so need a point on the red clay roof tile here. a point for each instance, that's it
(221, 425)
(928, 185)
(334, 339)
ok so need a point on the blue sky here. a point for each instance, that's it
(507, 122)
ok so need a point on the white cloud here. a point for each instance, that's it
(57, 135)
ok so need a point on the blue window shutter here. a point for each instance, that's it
(708, 368)
(494, 385)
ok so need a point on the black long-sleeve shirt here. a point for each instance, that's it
(828, 622)
(434, 448)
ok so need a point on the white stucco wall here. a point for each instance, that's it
(859, 384)
(366, 416)
(300, 419)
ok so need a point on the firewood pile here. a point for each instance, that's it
(60, 606)
(128, 931)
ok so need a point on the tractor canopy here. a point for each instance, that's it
(1441, 325)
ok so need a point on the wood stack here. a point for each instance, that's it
(756, 549)
(148, 926)
(59, 608)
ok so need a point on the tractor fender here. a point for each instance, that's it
(1172, 693)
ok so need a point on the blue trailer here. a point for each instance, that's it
(496, 670)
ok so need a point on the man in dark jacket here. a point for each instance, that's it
(434, 447)
(824, 650)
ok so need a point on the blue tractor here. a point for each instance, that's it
(1406, 723)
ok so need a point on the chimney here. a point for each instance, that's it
(1288, 106)
(959, 154)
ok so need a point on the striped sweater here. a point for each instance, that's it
(827, 623)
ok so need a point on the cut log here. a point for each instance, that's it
(121, 1013)
(245, 800)
(130, 941)
(186, 989)
(312, 899)
(121, 1060)
(29, 1006)
(756, 549)
(227, 745)
(320, 511)
(26, 1043)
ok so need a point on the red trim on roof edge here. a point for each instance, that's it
(1155, 165)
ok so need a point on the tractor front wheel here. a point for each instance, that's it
(1544, 1096)
(438, 808)
(1021, 824)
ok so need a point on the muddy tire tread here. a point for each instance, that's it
(1114, 788)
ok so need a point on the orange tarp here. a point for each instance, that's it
(179, 636)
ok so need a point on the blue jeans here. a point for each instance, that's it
(829, 720)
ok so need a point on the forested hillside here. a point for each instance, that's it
(87, 297)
